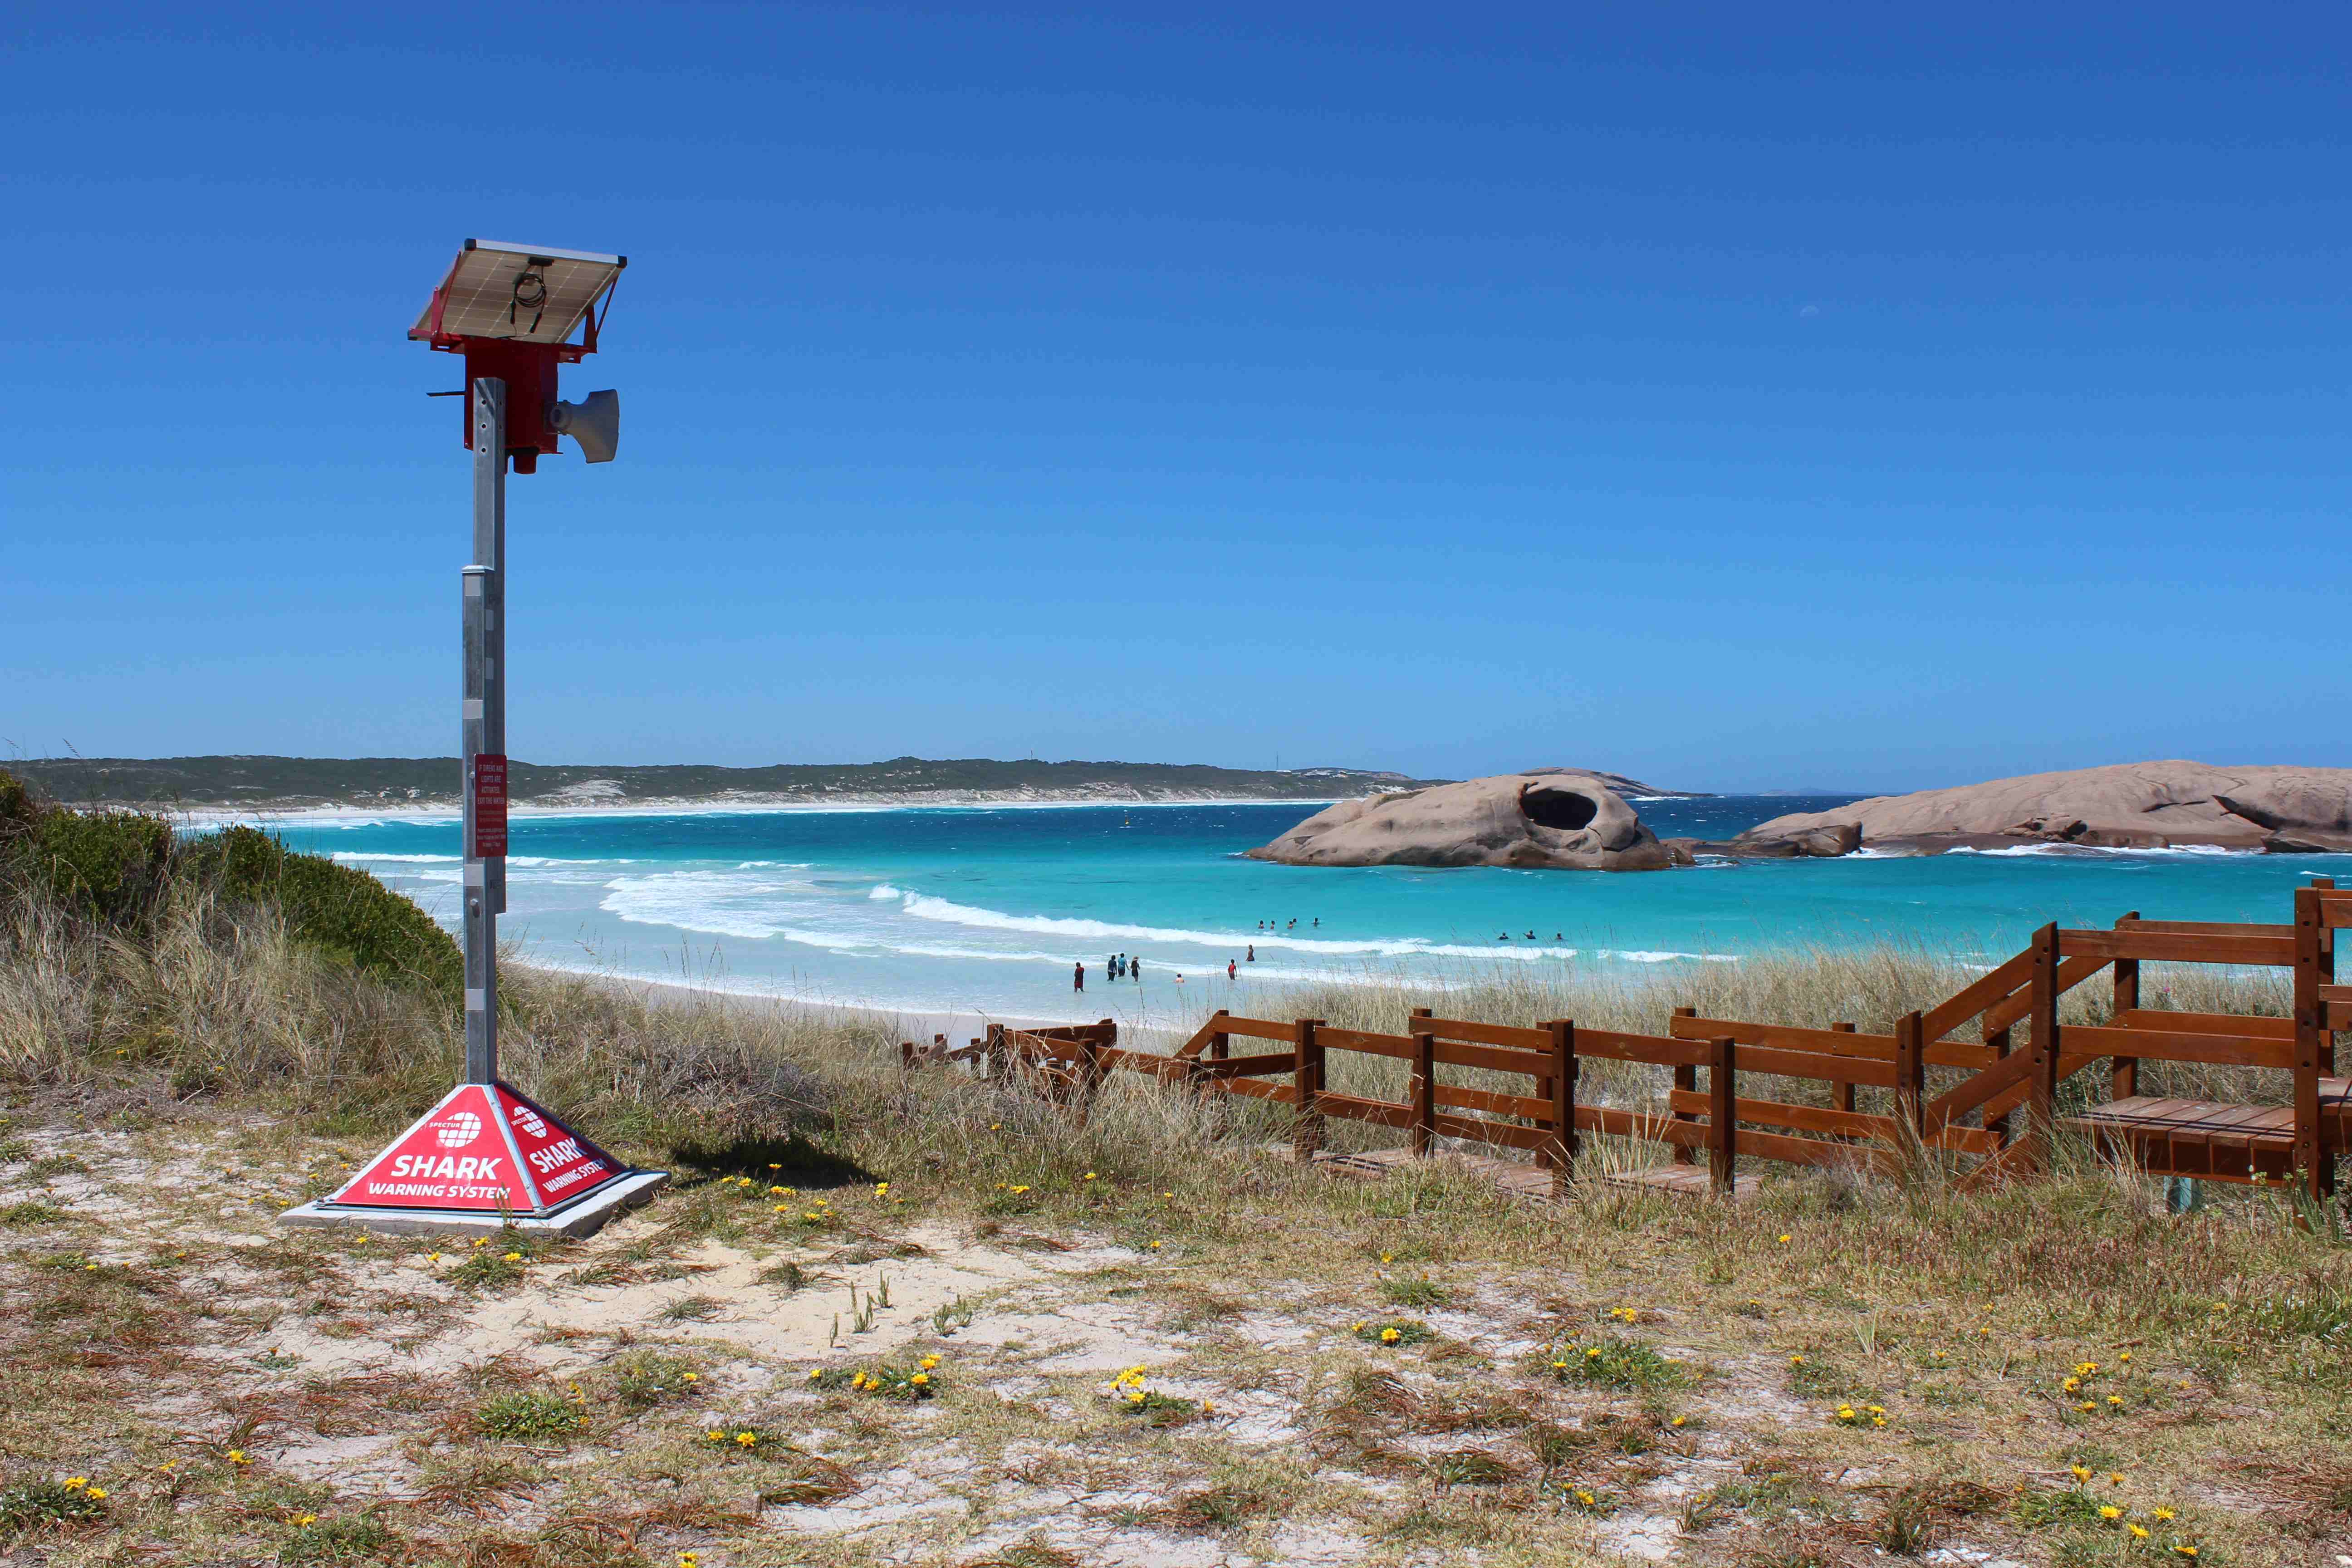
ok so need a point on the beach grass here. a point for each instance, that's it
(1834, 1370)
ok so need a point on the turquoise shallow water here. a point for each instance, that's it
(987, 909)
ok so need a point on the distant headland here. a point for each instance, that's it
(313, 784)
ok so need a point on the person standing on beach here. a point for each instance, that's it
(1078, 978)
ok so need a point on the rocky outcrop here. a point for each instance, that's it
(2129, 805)
(1545, 818)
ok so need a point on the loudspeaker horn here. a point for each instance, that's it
(595, 424)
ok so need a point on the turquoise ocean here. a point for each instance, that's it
(987, 909)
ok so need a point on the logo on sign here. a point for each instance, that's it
(527, 1120)
(457, 1129)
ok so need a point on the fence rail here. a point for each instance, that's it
(1708, 1111)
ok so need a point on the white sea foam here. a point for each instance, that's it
(922, 906)
(2012, 851)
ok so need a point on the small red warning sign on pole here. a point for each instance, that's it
(489, 804)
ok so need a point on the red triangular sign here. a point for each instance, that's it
(485, 1149)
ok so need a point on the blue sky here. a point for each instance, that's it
(1829, 396)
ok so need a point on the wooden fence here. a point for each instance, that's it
(1990, 1104)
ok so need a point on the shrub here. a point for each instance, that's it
(525, 1417)
(26, 1503)
(338, 909)
(104, 866)
(362, 1538)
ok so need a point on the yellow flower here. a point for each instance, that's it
(2139, 1531)
(432, 1258)
(1592, 1353)
(921, 1378)
(2124, 1359)
(881, 1189)
(75, 1483)
(1796, 1361)
(94, 1493)
(2110, 1512)
(692, 1377)
(1206, 1409)
(1845, 1412)
(1559, 1366)
(1387, 1336)
(1155, 1246)
(1089, 1176)
(1878, 1421)
(2192, 1550)
(237, 1456)
(929, 1361)
(306, 1518)
(2115, 1399)
(2086, 1369)
(2164, 1516)
(2115, 1478)
(747, 1438)
(481, 1240)
(1135, 1397)
(1876, 1409)
(721, 1436)
(2086, 1407)
(811, 1216)
(2071, 1385)
(511, 1258)
(775, 1192)
(1020, 1189)
(1784, 1239)
(1678, 1421)
(1388, 1257)
(2082, 1472)
(1585, 1498)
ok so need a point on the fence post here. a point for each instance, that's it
(1841, 1092)
(2315, 1162)
(1307, 1086)
(1998, 1125)
(1910, 1082)
(1563, 1104)
(2124, 1083)
(1220, 1044)
(1723, 1147)
(1091, 1073)
(2043, 1133)
(1685, 1081)
(1425, 1088)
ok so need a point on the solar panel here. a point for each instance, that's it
(534, 294)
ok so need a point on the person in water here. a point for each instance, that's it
(1253, 952)
(1078, 977)
(1135, 970)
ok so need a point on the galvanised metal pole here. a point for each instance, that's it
(484, 884)
(491, 551)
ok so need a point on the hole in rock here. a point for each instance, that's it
(1548, 805)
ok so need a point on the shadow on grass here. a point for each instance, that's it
(791, 1162)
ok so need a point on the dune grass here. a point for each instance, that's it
(1836, 1368)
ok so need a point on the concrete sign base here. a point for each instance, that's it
(584, 1216)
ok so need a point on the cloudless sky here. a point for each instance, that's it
(1740, 397)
